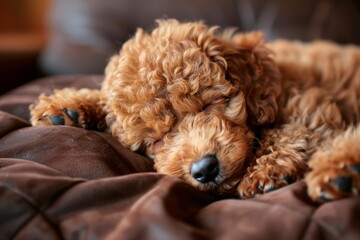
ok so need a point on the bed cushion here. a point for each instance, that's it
(69, 183)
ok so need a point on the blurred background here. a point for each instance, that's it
(22, 38)
(49, 37)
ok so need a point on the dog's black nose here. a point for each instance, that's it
(205, 169)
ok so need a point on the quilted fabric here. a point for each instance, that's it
(68, 183)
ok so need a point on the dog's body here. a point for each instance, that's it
(228, 113)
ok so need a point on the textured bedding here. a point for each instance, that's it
(70, 183)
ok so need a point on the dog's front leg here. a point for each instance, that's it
(69, 107)
(280, 160)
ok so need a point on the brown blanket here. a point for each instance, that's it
(69, 183)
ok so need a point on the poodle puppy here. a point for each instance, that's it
(228, 113)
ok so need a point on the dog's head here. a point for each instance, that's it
(188, 97)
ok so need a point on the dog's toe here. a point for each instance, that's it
(264, 188)
(57, 120)
(260, 187)
(288, 179)
(355, 168)
(343, 183)
(72, 114)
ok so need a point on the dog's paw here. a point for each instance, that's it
(264, 179)
(60, 116)
(69, 107)
(331, 182)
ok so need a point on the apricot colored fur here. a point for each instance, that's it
(269, 111)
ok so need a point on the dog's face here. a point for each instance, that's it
(207, 149)
(181, 94)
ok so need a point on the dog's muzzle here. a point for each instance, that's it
(206, 169)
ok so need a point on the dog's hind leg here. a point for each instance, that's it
(69, 107)
(335, 168)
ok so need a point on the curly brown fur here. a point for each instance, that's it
(257, 112)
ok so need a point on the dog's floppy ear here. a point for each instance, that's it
(250, 65)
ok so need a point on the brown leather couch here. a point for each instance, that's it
(70, 183)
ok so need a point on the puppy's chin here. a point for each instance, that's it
(218, 187)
